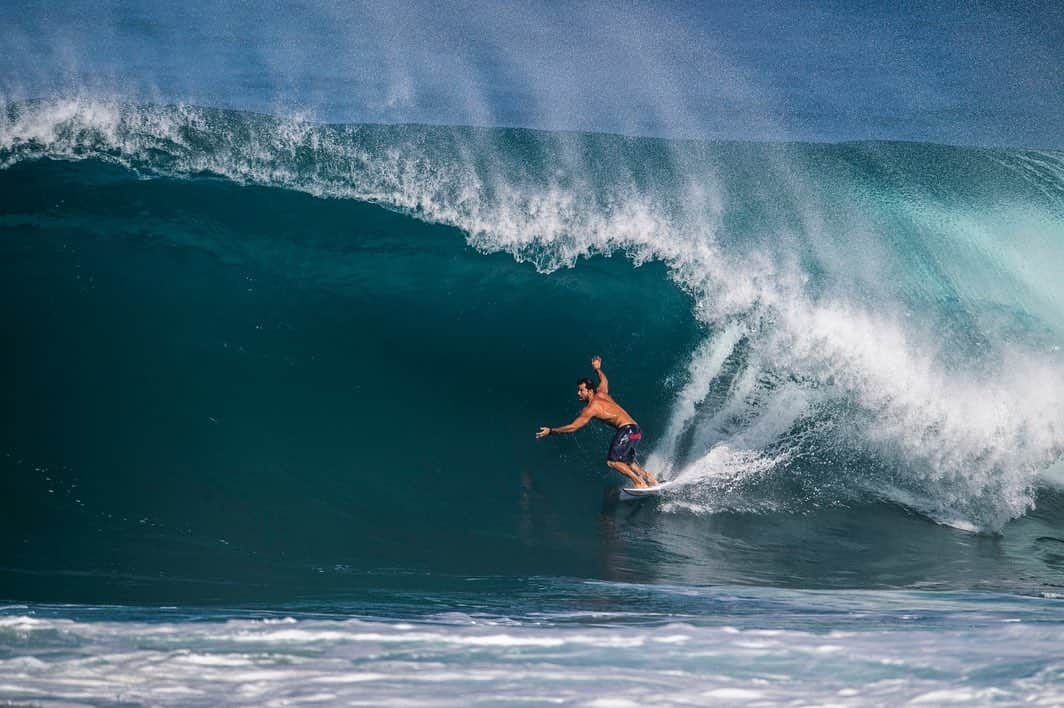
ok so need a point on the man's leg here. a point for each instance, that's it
(627, 472)
(647, 475)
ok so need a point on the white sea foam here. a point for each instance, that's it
(780, 654)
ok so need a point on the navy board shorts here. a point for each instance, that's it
(622, 449)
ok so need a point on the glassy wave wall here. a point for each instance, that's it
(252, 354)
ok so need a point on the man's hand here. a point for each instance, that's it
(543, 432)
(596, 362)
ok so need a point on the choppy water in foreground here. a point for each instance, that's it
(550, 641)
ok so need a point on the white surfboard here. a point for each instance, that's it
(633, 493)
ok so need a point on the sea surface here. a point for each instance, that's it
(273, 384)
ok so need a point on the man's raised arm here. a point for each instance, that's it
(604, 383)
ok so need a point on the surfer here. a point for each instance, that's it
(601, 405)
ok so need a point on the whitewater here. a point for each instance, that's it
(870, 648)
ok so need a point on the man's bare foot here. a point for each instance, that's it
(647, 476)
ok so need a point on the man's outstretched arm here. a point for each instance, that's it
(604, 383)
(580, 422)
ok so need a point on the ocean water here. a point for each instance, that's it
(269, 425)
(560, 641)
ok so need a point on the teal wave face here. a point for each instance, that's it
(277, 388)
(222, 383)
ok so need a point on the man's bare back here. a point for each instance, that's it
(601, 406)
(604, 408)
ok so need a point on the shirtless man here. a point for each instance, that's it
(601, 405)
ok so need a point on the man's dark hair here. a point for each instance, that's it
(587, 382)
